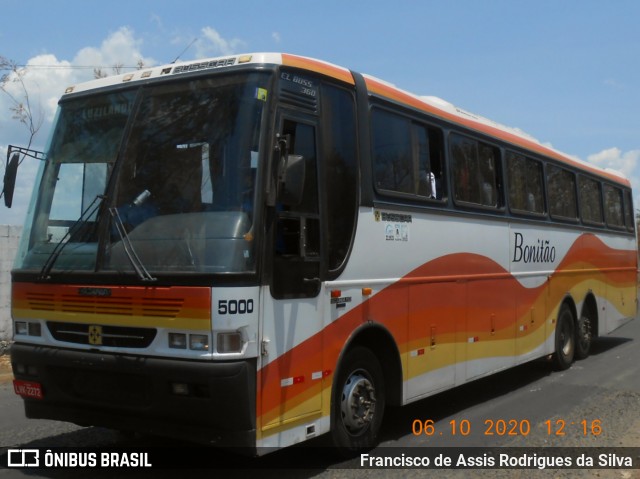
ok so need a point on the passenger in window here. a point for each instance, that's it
(488, 177)
(427, 184)
(531, 203)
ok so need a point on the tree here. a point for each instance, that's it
(98, 72)
(22, 110)
(21, 106)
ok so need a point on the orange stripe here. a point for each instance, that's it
(132, 305)
(323, 68)
(490, 291)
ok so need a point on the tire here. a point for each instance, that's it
(358, 402)
(565, 339)
(584, 336)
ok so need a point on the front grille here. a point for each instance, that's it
(117, 305)
(95, 335)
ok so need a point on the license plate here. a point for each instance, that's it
(27, 389)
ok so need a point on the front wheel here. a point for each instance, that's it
(565, 339)
(358, 402)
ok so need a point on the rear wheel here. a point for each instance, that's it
(584, 336)
(358, 402)
(565, 339)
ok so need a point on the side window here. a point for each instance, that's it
(475, 172)
(341, 174)
(628, 211)
(407, 156)
(590, 200)
(526, 192)
(303, 142)
(562, 193)
(297, 247)
(613, 206)
(392, 155)
(428, 146)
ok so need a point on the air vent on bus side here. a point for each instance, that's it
(299, 101)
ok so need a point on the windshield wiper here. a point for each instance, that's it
(81, 221)
(129, 250)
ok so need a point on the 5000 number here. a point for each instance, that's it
(235, 306)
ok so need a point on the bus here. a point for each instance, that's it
(255, 250)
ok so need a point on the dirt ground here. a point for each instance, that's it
(5, 367)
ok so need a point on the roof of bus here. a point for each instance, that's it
(432, 105)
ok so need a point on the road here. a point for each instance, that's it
(594, 403)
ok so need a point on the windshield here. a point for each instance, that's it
(172, 174)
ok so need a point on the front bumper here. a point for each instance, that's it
(134, 393)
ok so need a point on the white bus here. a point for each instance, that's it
(259, 249)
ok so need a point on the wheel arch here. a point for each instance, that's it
(571, 304)
(380, 342)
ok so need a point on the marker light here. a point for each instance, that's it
(229, 342)
(180, 389)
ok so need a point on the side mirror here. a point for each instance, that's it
(292, 178)
(10, 175)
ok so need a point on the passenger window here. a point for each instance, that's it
(526, 191)
(590, 200)
(613, 206)
(393, 168)
(628, 211)
(428, 143)
(341, 178)
(475, 172)
(562, 193)
(407, 156)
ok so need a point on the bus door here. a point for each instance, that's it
(291, 371)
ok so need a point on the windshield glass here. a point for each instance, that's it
(83, 149)
(182, 192)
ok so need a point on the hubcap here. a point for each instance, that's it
(566, 339)
(358, 403)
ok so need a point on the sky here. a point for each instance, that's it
(566, 72)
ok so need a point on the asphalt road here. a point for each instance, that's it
(595, 403)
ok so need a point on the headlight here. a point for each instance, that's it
(195, 342)
(27, 328)
(199, 342)
(177, 340)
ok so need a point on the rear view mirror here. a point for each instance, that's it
(292, 182)
(10, 175)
